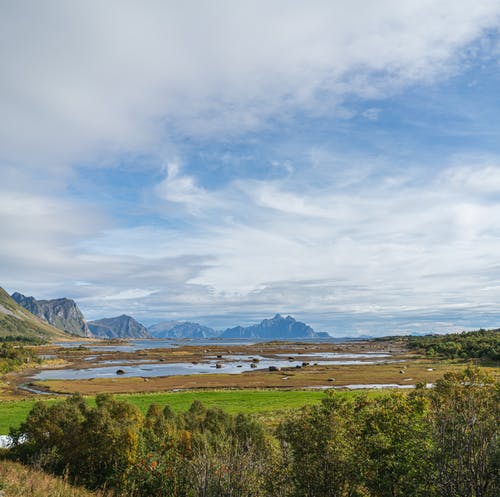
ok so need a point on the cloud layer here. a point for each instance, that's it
(224, 161)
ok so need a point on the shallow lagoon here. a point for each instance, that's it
(230, 364)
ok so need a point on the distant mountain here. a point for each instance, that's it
(62, 313)
(16, 321)
(176, 329)
(277, 328)
(120, 327)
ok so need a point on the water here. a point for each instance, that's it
(230, 365)
(169, 343)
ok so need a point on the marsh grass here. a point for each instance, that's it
(17, 480)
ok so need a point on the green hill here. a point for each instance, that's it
(15, 321)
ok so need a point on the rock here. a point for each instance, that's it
(181, 329)
(331, 379)
(304, 364)
(253, 365)
(255, 359)
(274, 368)
(218, 365)
(219, 357)
(62, 313)
(120, 371)
(277, 328)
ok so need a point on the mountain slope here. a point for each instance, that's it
(277, 328)
(16, 321)
(62, 313)
(119, 327)
(176, 329)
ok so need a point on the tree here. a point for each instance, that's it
(464, 417)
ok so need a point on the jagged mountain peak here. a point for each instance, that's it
(122, 326)
(63, 313)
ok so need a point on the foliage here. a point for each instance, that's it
(464, 422)
(94, 446)
(13, 356)
(430, 442)
(482, 344)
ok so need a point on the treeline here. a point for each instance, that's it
(23, 340)
(427, 443)
(482, 344)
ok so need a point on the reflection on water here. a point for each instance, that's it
(230, 365)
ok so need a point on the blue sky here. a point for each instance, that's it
(221, 162)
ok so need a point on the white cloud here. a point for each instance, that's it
(482, 179)
(180, 188)
(83, 81)
(89, 77)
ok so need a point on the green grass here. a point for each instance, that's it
(13, 413)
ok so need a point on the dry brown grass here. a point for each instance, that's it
(414, 372)
(17, 480)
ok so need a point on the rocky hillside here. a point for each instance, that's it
(120, 327)
(62, 313)
(176, 329)
(277, 328)
(16, 321)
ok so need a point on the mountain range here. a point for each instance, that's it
(177, 329)
(120, 327)
(277, 328)
(60, 317)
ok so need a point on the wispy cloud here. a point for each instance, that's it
(292, 161)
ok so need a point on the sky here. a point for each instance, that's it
(223, 161)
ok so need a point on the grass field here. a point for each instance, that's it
(12, 413)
